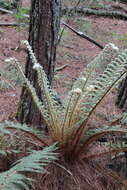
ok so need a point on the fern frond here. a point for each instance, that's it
(105, 153)
(99, 133)
(114, 73)
(12, 180)
(35, 162)
(71, 113)
(41, 108)
(7, 152)
(51, 104)
(103, 59)
(106, 56)
(29, 131)
(49, 118)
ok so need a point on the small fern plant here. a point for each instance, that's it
(68, 123)
(34, 162)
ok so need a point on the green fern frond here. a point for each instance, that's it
(7, 152)
(29, 131)
(114, 73)
(94, 135)
(12, 180)
(103, 59)
(35, 162)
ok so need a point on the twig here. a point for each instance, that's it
(61, 68)
(65, 46)
(81, 34)
(67, 21)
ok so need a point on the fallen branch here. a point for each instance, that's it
(12, 24)
(122, 1)
(81, 34)
(6, 11)
(105, 13)
(11, 12)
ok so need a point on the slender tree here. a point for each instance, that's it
(43, 36)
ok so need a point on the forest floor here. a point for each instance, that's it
(73, 51)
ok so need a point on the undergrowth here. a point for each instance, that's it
(9, 77)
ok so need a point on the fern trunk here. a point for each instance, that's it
(43, 34)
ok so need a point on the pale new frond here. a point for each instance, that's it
(51, 104)
(102, 60)
(71, 113)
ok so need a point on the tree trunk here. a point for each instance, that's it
(122, 95)
(43, 36)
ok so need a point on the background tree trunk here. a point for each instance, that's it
(43, 36)
(122, 95)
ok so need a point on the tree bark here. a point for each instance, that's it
(122, 95)
(43, 36)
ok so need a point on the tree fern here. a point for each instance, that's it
(81, 101)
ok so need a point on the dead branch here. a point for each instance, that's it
(88, 11)
(11, 12)
(81, 34)
(12, 24)
(6, 11)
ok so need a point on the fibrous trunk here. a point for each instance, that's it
(43, 34)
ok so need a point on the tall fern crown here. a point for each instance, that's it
(68, 122)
